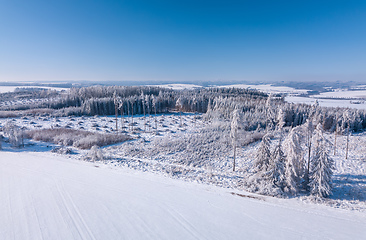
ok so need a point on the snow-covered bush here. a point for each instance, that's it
(62, 150)
(95, 154)
(77, 138)
(15, 134)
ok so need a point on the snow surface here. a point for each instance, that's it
(4, 89)
(178, 86)
(341, 93)
(269, 88)
(45, 196)
(326, 102)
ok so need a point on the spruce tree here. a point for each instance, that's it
(294, 160)
(322, 167)
(263, 156)
(234, 132)
(278, 167)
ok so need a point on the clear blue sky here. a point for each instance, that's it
(182, 40)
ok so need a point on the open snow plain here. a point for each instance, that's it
(135, 192)
(44, 196)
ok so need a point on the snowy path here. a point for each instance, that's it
(44, 196)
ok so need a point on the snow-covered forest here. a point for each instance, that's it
(230, 137)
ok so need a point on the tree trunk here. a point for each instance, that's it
(234, 157)
(122, 119)
(116, 112)
(308, 167)
(335, 142)
(132, 118)
(335, 137)
(347, 142)
(156, 123)
(128, 114)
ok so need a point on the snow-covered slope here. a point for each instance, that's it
(44, 196)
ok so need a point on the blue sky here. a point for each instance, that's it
(182, 40)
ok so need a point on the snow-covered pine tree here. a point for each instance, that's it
(280, 119)
(132, 101)
(335, 134)
(269, 114)
(346, 122)
(322, 166)
(235, 118)
(263, 156)
(308, 131)
(144, 108)
(179, 105)
(294, 160)
(278, 167)
(121, 107)
(147, 103)
(154, 104)
(116, 103)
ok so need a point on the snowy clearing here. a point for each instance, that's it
(51, 197)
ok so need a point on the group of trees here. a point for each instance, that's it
(300, 163)
(257, 108)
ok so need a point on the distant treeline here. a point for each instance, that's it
(258, 110)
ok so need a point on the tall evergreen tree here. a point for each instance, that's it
(308, 130)
(294, 160)
(234, 131)
(278, 167)
(322, 167)
(263, 156)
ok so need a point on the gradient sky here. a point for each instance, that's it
(64, 40)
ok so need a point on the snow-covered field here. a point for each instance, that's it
(178, 86)
(269, 88)
(340, 93)
(4, 89)
(44, 196)
(326, 102)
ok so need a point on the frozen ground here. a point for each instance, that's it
(44, 196)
